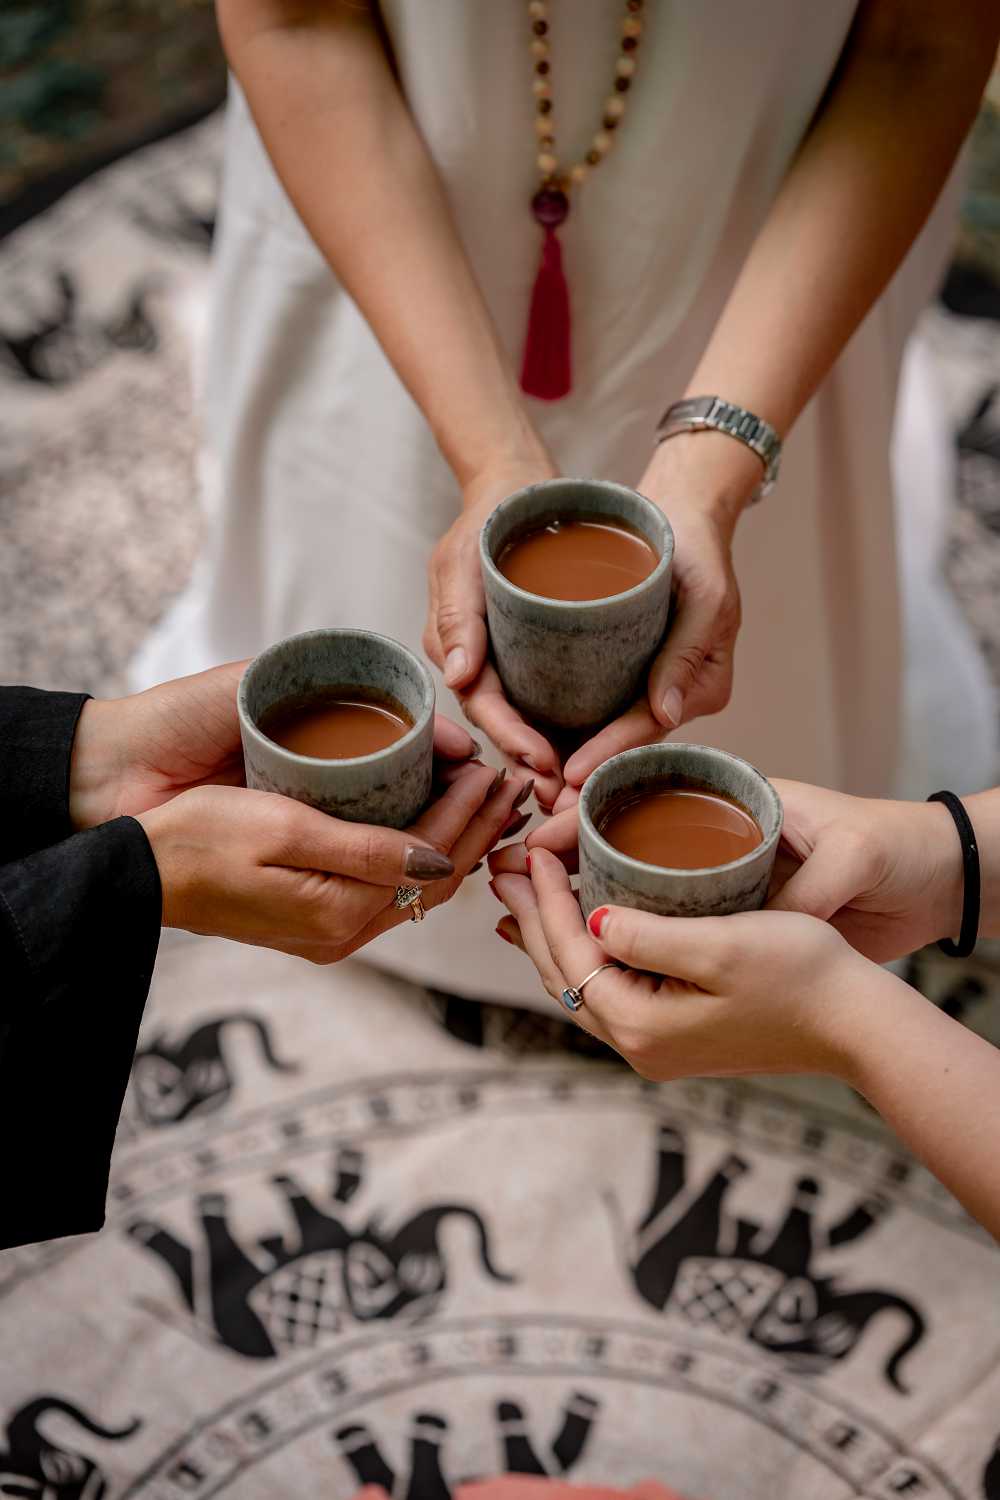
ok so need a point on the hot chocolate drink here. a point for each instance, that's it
(680, 827)
(335, 723)
(578, 559)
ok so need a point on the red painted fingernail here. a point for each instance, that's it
(493, 888)
(500, 933)
(527, 860)
(595, 919)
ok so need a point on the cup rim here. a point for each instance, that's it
(765, 846)
(563, 605)
(248, 722)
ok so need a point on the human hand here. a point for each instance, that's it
(701, 482)
(133, 754)
(266, 870)
(455, 636)
(887, 875)
(759, 992)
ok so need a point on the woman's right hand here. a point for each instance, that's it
(263, 869)
(455, 637)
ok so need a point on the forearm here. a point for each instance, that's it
(854, 199)
(346, 148)
(938, 1086)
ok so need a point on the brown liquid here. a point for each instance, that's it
(681, 828)
(578, 559)
(335, 723)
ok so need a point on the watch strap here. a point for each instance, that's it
(713, 414)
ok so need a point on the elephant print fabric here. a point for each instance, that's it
(346, 1246)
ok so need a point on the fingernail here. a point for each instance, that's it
(524, 793)
(527, 860)
(521, 821)
(476, 750)
(476, 867)
(493, 888)
(533, 765)
(427, 864)
(673, 706)
(455, 666)
(510, 857)
(497, 782)
(595, 919)
(501, 934)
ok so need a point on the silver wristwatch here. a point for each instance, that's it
(711, 413)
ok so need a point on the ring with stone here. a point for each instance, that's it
(572, 995)
(409, 896)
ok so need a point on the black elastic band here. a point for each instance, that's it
(970, 871)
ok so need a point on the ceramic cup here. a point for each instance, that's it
(390, 787)
(574, 664)
(610, 878)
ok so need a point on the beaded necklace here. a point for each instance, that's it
(546, 367)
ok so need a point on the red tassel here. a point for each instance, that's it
(545, 372)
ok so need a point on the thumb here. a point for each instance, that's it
(311, 840)
(679, 665)
(460, 616)
(829, 879)
(693, 948)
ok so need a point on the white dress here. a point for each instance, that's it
(323, 488)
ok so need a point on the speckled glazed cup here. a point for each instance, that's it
(610, 878)
(574, 664)
(390, 787)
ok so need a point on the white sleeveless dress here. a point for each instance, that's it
(323, 488)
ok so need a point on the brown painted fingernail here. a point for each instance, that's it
(427, 864)
(524, 793)
(476, 867)
(498, 782)
(521, 821)
(476, 750)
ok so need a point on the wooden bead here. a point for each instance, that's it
(544, 106)
(623, 85)
(542, 88)
(602, 142)
(629, 43)
(614, 108)
(539, 47)
(634, 6)
(625, 67)
(578, 173)
(632, 26)
(537, 10)
(543, 126)
(593, 157)
(542, 67)
(547, 163)
(540, 27)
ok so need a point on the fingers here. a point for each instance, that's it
(444, 822)
(693, 673)
(829, 879)
(508, 929)
(485, 705)
(697, 949)
(452, 742)
(518, 896)
(460, 610)
(567, 798)
(482, 831)
(636, 726)
(306, 839)
(573, 949)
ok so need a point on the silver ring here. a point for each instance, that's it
(409, 896)
(572, 995)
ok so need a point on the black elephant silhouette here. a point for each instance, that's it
(991, 1475)
(292, 1296)
(174, 1080)
(736, 1276)
(424, 1478)
(30, 1465)
(65, 343)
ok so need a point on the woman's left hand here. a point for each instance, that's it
(760, 992)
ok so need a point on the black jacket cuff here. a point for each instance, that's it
(36, 742)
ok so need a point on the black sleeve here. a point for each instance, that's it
(36, 741)
(79, 929)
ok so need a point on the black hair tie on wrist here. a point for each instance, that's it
(970, 872)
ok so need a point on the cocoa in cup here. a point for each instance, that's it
(573, 663)
(343, 720)
(685, 803)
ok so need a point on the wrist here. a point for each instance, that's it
(946, 893)
(95, 765)
(159, 826)
(504, 473)
(706, 473)
(867, 1006)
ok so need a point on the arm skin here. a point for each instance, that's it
(877, 153)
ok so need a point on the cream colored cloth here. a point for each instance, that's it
(325, 492)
